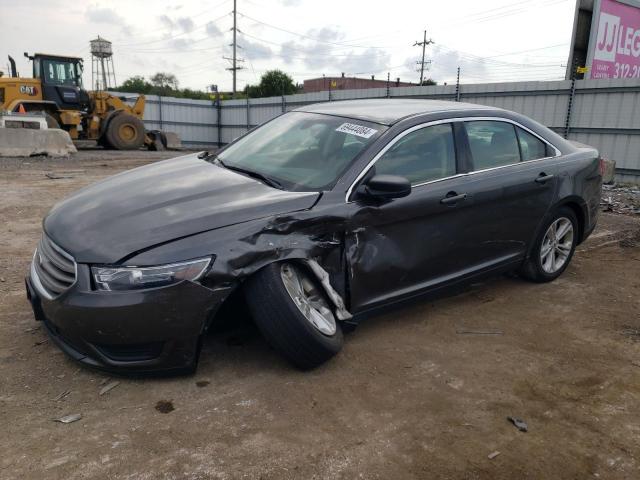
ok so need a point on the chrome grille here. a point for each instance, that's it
(53, 270)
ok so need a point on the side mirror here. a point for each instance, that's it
(385, 187)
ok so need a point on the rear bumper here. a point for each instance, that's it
(146, 331)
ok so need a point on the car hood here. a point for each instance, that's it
(135, 210)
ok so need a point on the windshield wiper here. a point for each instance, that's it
(257, 175)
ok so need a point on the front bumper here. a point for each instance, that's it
(143, 331)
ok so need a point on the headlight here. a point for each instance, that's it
(135, 278)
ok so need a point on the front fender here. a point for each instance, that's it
(243, 249)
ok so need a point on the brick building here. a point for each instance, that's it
(349, 83)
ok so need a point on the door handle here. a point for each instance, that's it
(453, 198)
(543, 178)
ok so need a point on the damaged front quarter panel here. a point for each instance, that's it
(309, 237)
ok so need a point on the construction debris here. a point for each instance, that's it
(55, 176)
(493, 455)
(74, 417)
(62, 395)
(110, 386)
(623, 199)
(520, 424)
(609, 172)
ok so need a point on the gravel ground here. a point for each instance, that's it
(623, 199)
(408, 397)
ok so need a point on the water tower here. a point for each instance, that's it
(103, 76)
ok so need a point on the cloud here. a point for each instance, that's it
(291, 3)
(313, 53)
(181, 23)
(319, 54)
(368, 61)
(103, 15)
(180, 43)
(185, 23)
(166, 21)
(445, 62)
(257, 51)
(213, 30)
(326, 34)
(108, 16)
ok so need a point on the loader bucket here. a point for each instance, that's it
(171, 141)
(158, 140)
(26, 142)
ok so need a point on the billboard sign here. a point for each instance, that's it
(614, 46)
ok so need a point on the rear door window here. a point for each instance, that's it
(492, 143)
(421, 156)
(531, 147)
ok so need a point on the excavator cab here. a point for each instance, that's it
(61, 79)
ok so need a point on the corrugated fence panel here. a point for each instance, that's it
(362, 93)
(193, 120)
(605, 113)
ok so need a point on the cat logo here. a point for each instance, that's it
(28, 90)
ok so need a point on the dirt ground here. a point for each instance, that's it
(410, 396)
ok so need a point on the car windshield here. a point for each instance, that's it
(301, 151)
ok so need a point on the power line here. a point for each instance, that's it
(309, 37)
(315, 54)
(171, 37)
(530, 50)
(189, 16)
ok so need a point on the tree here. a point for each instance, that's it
(136, 84)
(272, 83)
(166, 82)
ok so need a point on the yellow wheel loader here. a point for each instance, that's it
(56, 90)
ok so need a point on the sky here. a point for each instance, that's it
(490, 40)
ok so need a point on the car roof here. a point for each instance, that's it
(387, 111)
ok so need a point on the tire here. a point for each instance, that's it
(104, 143)
(537, 270)
(52, 122)
(282, 322)
(125, 132)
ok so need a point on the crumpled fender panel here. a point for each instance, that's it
(241, 250)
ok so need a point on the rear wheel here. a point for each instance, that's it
(554, 247)
(293, 313)
(125, 132)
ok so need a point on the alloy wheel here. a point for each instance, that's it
(557, 245)
(309, 299)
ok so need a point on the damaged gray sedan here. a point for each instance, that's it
(317, 218)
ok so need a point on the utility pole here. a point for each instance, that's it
(234, 59)
(423, 44)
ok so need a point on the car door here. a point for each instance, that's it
(399, 247)
(512, 179)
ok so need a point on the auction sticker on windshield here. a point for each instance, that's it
(358, 130)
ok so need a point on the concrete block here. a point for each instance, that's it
(609, 173)
(24, 142)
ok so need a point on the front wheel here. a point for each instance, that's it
(125, 132)
(553, 248)
(294, 314)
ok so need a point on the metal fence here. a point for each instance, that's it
(602, 113)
